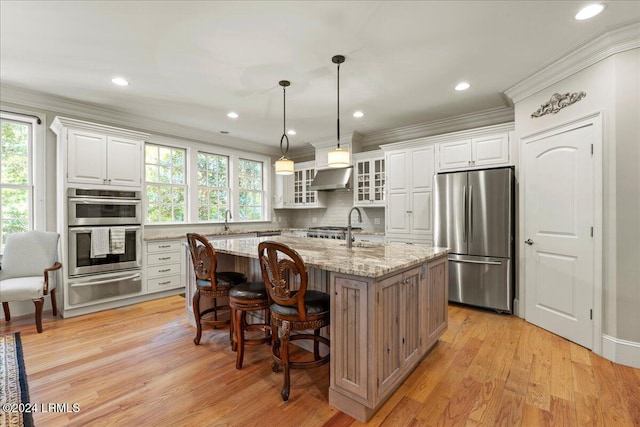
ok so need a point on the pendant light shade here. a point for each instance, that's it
(339, 158)
(284, 165)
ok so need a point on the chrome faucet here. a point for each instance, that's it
(227, 216)
(349, 238)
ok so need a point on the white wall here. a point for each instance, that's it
(612, 87)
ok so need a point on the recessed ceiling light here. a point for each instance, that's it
(119, 81)
(589, 11)
(232, 115)
(358, 114)
(291, 132)
(462, 86)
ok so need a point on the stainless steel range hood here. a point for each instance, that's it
(332, 179)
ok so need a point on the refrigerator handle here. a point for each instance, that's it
(464, 212)
(471, 214)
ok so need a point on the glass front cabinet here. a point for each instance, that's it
(369, 179)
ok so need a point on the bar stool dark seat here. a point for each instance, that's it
(292, 309)
(210, 284)
(245, 298)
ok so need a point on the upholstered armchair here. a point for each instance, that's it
(27, 262)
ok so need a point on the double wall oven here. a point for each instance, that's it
(105, 244)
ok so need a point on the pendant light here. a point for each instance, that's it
(339, 158)
(284, 165)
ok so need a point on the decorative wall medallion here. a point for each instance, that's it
(558, 102)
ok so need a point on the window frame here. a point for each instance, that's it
(37, 164)
(262, 192)
(191, 178)
(171, 185)
(199, 187)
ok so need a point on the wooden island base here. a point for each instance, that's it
(388, 308)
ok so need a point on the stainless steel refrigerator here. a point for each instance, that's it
(474, 217)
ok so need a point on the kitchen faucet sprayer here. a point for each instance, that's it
(227, 216)
(349, 238)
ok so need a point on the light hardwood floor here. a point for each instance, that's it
(138, 366)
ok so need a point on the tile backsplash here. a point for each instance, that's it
(335, 214)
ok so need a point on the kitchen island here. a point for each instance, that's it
(388, 308)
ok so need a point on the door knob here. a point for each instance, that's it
(529, 242)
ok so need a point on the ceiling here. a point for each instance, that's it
(190, 63)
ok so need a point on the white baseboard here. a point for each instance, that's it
(621, 351)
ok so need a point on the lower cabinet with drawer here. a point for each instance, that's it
(164, 265)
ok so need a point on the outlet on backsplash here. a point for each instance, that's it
(314, 220)
(376, 221)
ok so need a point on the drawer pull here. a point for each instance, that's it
(164, 246)
(164, 258)
(164, 270)
(164, 283)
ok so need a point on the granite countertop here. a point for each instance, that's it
(233, 232)
(366, 260)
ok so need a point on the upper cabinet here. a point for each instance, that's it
(409, 193)
(303, 197)
(283, 192)
(369, 177)
(478, 152)
(95, 155)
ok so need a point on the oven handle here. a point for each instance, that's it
(109, 280)
(88, 229)
(105, 201)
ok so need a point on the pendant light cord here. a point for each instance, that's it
(338, 123)
(284, 118)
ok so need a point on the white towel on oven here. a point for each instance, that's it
(117, 240)
(99, 242)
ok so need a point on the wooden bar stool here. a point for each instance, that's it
(210, 284)
(292, 309)
(244, 298)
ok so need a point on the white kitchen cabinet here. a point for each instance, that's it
(303, 197)
(409, 193)
(100, 159)
(369, 179)
(283, 192)
(95, 155)
(482, 151)
(164, 265)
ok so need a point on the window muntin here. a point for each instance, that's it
(213, 186)
(16, 177)
(250, 190)
(165, 183)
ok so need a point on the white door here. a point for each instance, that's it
(559, 216)
(86, 159)
(124, 159)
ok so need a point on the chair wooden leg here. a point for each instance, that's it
(54, 306)
(196, 315)
(7, 313)
(232, 327)
(275, 347)
(316, 345)
(240, 321)
(267, 321)
(284, 352)
(39, 303)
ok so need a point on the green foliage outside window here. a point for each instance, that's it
(165, 188)
(213, 191)
(15, 188)
(250, 196)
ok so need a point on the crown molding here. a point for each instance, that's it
(452, 136)
(66, 106)
(599, 47)
(452, 124)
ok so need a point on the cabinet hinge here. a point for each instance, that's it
(591, 313)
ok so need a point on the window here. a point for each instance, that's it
(213, 187)
(251, 190)
(165, 183)
(16, 196)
